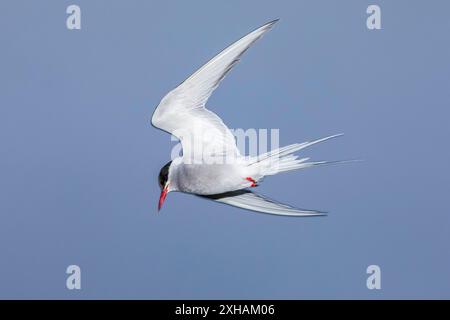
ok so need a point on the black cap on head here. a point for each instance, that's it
(164, 175)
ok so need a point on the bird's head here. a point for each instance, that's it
(164, 183)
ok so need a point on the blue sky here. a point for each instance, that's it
(80, 159)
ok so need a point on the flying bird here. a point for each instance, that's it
(211, 165)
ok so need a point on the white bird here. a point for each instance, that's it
(211, 165)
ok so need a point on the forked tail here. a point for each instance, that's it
(283, 159)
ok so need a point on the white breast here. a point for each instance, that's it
(207, 179)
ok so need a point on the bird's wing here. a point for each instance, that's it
(249, 200)
(182, 111)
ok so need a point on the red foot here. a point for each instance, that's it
(252, 181)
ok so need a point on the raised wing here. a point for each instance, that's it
(249, 200)
(182, 111)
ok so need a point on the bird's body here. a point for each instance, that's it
(208, 179)
(211, 165)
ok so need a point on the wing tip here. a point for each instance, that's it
(314, 213)
(299, 214)
(333, 136)
(269, 24)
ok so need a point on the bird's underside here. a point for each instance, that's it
(182, 113)
(207, 179)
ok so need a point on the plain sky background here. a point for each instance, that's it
(79, 158)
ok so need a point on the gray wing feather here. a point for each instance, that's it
(249, 200)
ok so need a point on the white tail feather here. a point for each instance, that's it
(283, 159)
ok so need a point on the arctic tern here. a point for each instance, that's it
(211, 165)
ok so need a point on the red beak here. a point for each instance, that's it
(163, 196)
